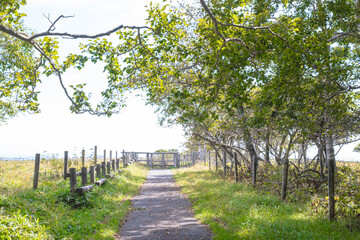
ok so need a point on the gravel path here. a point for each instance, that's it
(161, 211)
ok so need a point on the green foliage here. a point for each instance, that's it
(75, 200)
(238, 211)
(347, 195)
(161, 150)
(173, 150)
(9, 13)
(17, 78)
(18, 66)
(18, 226)
(357, 148)
(94, 215)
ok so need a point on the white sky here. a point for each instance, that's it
(56, 129)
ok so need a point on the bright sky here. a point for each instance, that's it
(56, 129)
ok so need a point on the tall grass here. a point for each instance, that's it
(52, 212)
(15, 176)
(238, 211)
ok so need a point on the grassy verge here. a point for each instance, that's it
(51, 212)
(237, 211)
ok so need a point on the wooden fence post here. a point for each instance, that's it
(205, 156)
(73, 184)
(151, 160)
(209, 159)
(95, 156)
(224, 162)
(66, 159)
(110, 156)
(98, 170)
(216, 161)
(108, 167)
(236, 167)
(117, 161)
(36, 171)
(103, 169)
(92, 174)
(163, 160)
(83, 176)
(83, 157)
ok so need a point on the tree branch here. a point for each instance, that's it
(52, 26)
(75, 36)
(31, 40)
(217, 22)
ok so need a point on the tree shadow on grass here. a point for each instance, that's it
(238, 211)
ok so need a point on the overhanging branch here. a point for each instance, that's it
(32, 41)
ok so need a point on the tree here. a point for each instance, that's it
(161, 150)
(242, 76)
(26, 54)
(301, 50)
(293, 59)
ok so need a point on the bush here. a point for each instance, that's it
(75, 200)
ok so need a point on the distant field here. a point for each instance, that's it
(17, 175)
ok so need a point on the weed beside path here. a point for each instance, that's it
(238, 211)
(51, 212)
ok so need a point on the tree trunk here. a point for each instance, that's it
(224, 162)
(330, 155)
(253, 156)
(286, 170)
(321, 161)
(267, 149)
(304, 149)
(217, 154)
(236, 168)
(249, 146)
(254, 164)
(284, 179)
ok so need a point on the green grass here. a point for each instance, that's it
(238, 211)
(51, 212)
